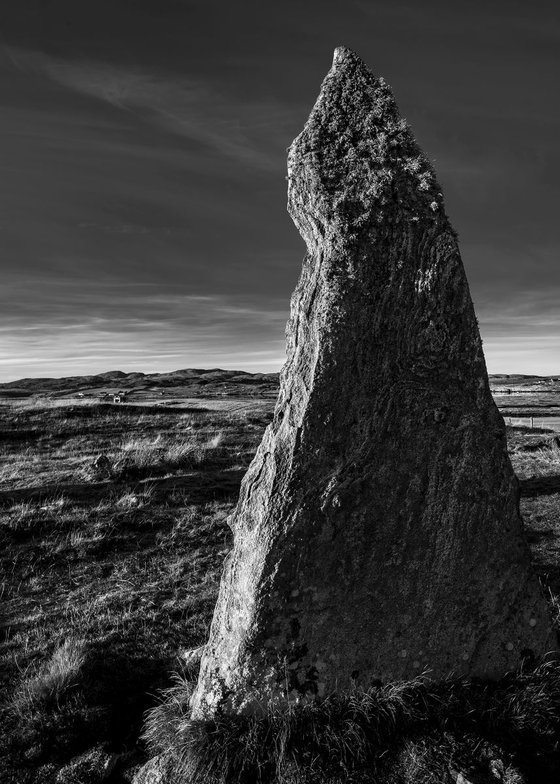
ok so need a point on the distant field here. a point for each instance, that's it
(113, 526)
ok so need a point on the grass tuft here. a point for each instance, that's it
(56, 678)
(156, 456)
(166, 721)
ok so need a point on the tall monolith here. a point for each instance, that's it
(377, 533)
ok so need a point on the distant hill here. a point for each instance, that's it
(199, 382)
(190, 382)
(521, 383)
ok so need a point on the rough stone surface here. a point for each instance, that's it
(377, 533)
(92, 767)
(191, 659)
(158, 770)
(129, 765)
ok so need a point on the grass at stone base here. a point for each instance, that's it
(108, 573)
(417, 732)
(109, 569)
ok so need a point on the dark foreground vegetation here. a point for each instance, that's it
(113, 527)
(413, 732)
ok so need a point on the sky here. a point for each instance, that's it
(143, 220)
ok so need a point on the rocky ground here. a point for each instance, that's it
(113, 526)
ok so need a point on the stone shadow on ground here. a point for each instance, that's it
(106, 707)
(92, 411)
(539, 485)
(220, 482)
(75, 491)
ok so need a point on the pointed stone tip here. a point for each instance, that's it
(343, 56)
(355, 153)
(341, 53)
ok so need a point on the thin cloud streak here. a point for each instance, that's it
(527, 355)
(522, 335)
(532, 312)
(249, 133)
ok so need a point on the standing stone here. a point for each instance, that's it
(377, 533)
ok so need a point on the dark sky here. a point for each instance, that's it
(143, 161)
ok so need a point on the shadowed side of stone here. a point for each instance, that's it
(377, 533)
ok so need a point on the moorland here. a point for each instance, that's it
(114, 496)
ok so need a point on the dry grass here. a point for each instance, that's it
(44, 403)
(126, 565)
(534, 455)
(164, 454)
(55, 677)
